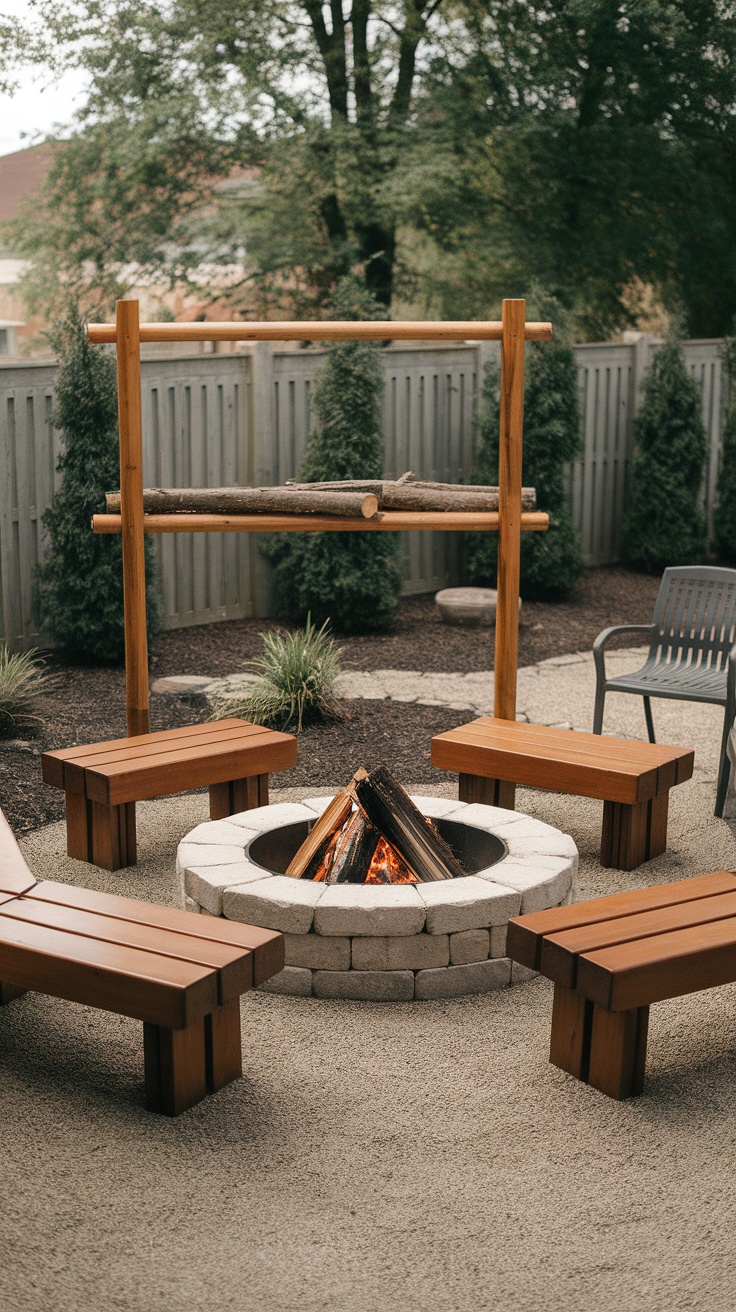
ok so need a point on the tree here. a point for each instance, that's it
(663, 521)
(724, 520)
(80, 583)
(586, 144)
(351, 579)
(182, 94)
(551, 562)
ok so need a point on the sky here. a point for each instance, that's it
(39, 102)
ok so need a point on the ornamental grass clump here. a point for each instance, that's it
(22, 680)
(297, 680)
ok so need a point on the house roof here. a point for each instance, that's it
(21, 174)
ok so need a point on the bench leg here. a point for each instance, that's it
(491, 792)
(223, 1050)
(633, 834)
(78, 826)
(618, 1051)
(238, 795)
(175, 1066)
(569, 1047)
(8, 993)
(113, 835)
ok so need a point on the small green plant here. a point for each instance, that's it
(22, 680)
(297, 680)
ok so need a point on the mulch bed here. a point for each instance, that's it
(88, 703)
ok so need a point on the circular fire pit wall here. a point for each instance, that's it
(374, 941)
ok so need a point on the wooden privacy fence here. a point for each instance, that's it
(215, 419)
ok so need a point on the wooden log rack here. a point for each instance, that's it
(127, 334)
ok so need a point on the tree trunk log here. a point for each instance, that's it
(251, 500)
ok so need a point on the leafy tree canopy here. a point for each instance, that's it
(449, 150)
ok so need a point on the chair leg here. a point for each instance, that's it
(648, 716)
(600, 697)
(724, 767)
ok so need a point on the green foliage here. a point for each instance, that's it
(724, 520)
(22, 681)
(551, 562)
(297, 683)
(663, 522)
(353, 579)
(80, 583)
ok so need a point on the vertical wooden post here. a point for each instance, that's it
(131, 511)
(509, 505)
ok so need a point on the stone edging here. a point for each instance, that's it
(370, 941)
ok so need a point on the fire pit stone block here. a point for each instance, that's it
(538, 894)
(456, 981)
(207, 885)
(318, 951)
(469, 903)
(261, 818)
(369, 908)
(470, 945)
(414, 952)
(364, 985)
(292, 981)
(274, 903)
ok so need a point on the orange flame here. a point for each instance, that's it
(387, 862)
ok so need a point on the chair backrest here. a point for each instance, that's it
(695, 616)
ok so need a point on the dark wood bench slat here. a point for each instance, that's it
(54, 761)
(211, 764)
(560, 952)
(649, 970)
(525, 933)
(160, 990)
(234, 965)
(673, 764)
(266, 945)
(548, 767)
(15, 877)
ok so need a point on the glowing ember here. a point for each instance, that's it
(387, 867)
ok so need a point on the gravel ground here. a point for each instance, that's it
(88, 703)
(396, 1157)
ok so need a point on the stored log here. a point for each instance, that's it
(415, 494)
(251, 500)
(392, 812)
(356, 499)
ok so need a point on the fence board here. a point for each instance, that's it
(221, 419)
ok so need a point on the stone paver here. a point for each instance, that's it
(415, 952)
(206, 885)
(455, 981)
(470, 945)
(367, 908)
(469, 903)
(317, 951)
(291, 980)
(365, 985)
(274, 903)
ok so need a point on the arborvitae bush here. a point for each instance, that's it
(664, 523)
(551, 562)
(352, 579)
(724, 520)
(80, 583)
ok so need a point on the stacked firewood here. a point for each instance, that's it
(372, 833)
(354, 499)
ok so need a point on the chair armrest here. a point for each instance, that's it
(606, 635)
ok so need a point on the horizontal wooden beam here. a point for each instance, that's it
(318, 331)
(447, 521)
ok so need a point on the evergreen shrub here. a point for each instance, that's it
(663, 522)
(80, 583)
(724, 520)
(551, 562)
(351, 579)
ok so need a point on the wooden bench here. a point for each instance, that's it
(179, 973)
(632, 779)
(611, 958)
(103, 781)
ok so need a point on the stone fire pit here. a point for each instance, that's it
(380, 942)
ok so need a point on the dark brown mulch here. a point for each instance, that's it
(88, 703)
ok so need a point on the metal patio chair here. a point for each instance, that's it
(692, 651)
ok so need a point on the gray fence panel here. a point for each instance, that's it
(220, 419)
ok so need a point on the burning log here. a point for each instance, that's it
(395, 816)
(314, 848)
(354, 851)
